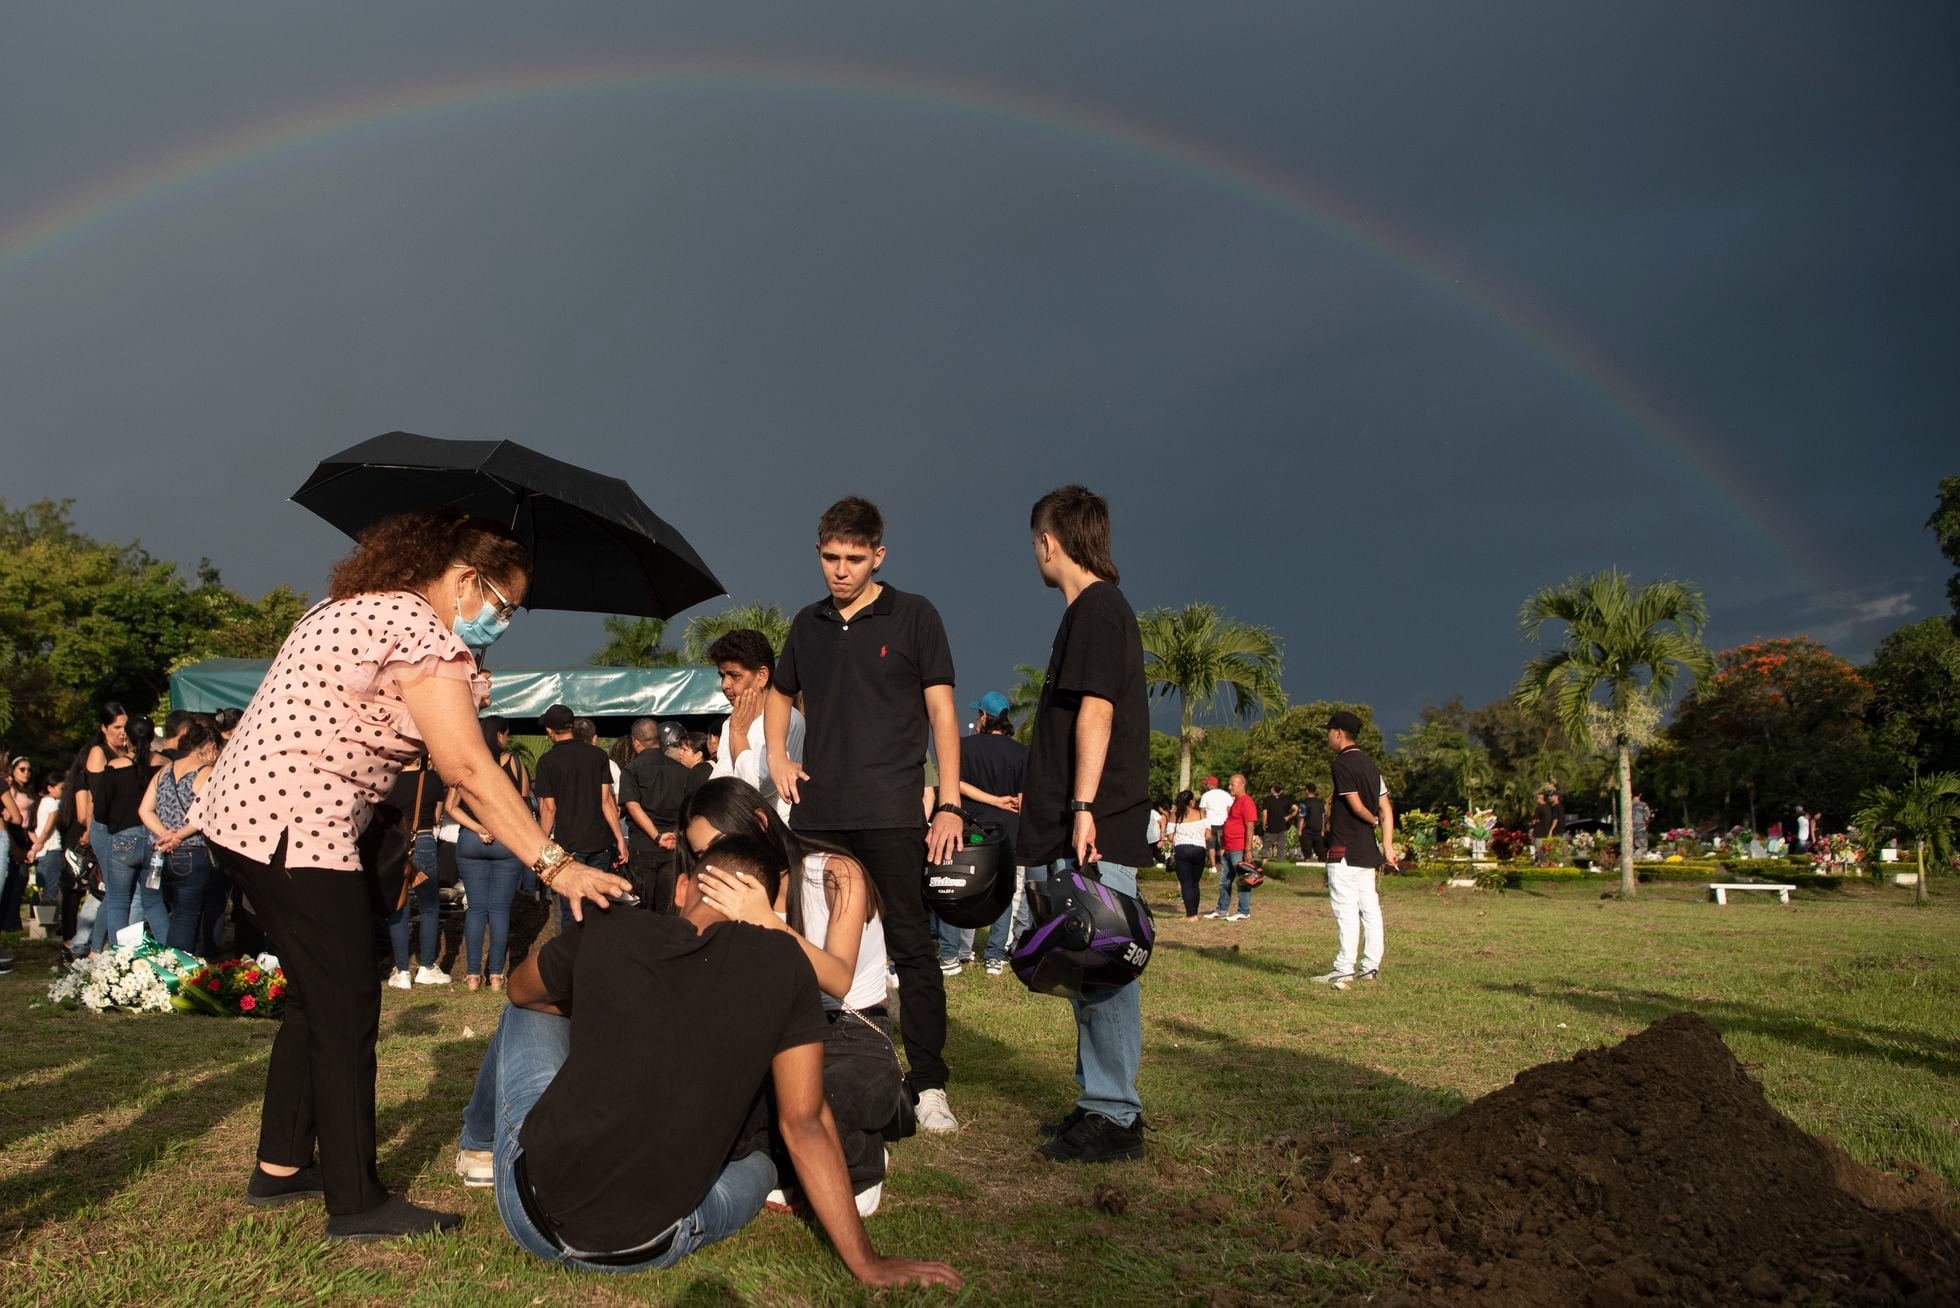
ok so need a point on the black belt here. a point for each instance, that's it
(549, 1229)
(837, 1014)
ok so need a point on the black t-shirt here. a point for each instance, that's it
(997, 764)
(402, 797)
(1355, 773)
(1313, 810)
(575, 775)
(1098, 651)
(658, 784)
(672, 1035)
(1273, 811)
(863, 684)
(1543, 818)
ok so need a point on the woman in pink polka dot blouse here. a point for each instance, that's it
(376, 674)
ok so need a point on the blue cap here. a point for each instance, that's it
(993, 704)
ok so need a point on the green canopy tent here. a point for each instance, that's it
(516, 693)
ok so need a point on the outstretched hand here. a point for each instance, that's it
(786, 774)
(581, 885)
(904, 1271)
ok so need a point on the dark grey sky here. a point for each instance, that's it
(1527, 290)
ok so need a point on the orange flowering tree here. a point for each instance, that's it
(1780, 725)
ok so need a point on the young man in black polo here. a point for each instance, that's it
(576, 806)
(619, 1108)
(1085, 799)
(876, 676)
(1354, 855)
(652, 787)
(1312, 816)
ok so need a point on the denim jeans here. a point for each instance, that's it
(599, 858)
(490, 874)
(954, 942)
(425, 896)
(184, 878)
(1013, 923)
(1109, 1027)
(47, 874)
(1226, 875)
(124, 856)
(523, 1057)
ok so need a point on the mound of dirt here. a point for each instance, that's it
(1654, 1171)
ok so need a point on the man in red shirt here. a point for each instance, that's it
(1240, 822)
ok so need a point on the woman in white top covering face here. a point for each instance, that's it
(832, 909)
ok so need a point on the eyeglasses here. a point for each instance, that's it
(504, 607)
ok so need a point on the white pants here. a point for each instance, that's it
(1357, 908)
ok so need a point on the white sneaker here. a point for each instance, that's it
(399, 980)
(428, 976)
(868, 1200)
(952, 967)
(1237, 917)
(996, 966)
(476, 1167)
(1214, 916)
(1339, 980)
(934, 1115)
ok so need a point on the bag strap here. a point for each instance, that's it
(409, 819)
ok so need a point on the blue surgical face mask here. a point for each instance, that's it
(481, 631)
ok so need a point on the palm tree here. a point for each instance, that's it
(1924, 812)
(1025, 698)
(1198, 654)
(1631, 644)
(635, 643)
(704, 629)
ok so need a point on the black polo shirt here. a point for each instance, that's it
(863, 684)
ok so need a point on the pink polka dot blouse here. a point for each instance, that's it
(327, 733)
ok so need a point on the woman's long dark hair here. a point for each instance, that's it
(66, 817)
(141, 732)
(731, 806)
(1186, 802)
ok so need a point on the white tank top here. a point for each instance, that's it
(868, 984)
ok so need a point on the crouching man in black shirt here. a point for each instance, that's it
(615, 1109)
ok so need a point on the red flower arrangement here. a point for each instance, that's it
(244, 987)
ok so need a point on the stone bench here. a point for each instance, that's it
(1721, 889)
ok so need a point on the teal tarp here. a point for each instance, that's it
(514, 692)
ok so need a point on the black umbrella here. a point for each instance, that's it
(597, 547)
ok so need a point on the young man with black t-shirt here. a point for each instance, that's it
(1313, 825)
(652, 787)
(620, 1110)
(1085, 799)
(1272, 820)
(576, 805)
(1354, 855)
(876, 676)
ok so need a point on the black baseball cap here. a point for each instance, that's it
(1342, 720)
(556, 718)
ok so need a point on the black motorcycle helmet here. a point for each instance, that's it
(1087, 938)
(973, 888)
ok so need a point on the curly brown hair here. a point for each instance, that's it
(409, 550)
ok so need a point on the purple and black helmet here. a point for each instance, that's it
(1087, 938)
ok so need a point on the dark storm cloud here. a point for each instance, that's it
(749, 299)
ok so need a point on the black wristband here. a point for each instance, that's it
(955, 810)
(1082, 806)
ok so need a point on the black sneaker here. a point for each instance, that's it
(396, 1219)
(1095, 1139)
(1075, 1115)
(265, 1190)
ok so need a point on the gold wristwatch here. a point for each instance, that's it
(551, 858)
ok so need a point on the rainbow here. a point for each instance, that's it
(69, 217)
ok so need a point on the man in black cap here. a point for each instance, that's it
(1354, 854)
(576, 807)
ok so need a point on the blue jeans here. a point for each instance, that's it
(599, 858)
(1227, 874)
(425, 896)
(954, 942)
(490, 874)
(523, 1057)
(47, 874)
(124, 856)
(1014, 921)
(184, 879)
(1108, 1028)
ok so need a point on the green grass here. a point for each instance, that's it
(124, 1141)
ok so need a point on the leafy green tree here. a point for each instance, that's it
(1024, 698)
(83, 621)
(704, 629)
(1632, 646)
(1783, 721)
(636, 643)
(1290, 747)
(1915, 703)
(1441, 765)
(1945, 524)
(1202, 656)
(1923, 811)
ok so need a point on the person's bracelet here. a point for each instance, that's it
(551, 860)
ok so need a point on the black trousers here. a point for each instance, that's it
(1313, 845)
(320, 1085)
(895, 860)
(861, 1083)
(1190, 863)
